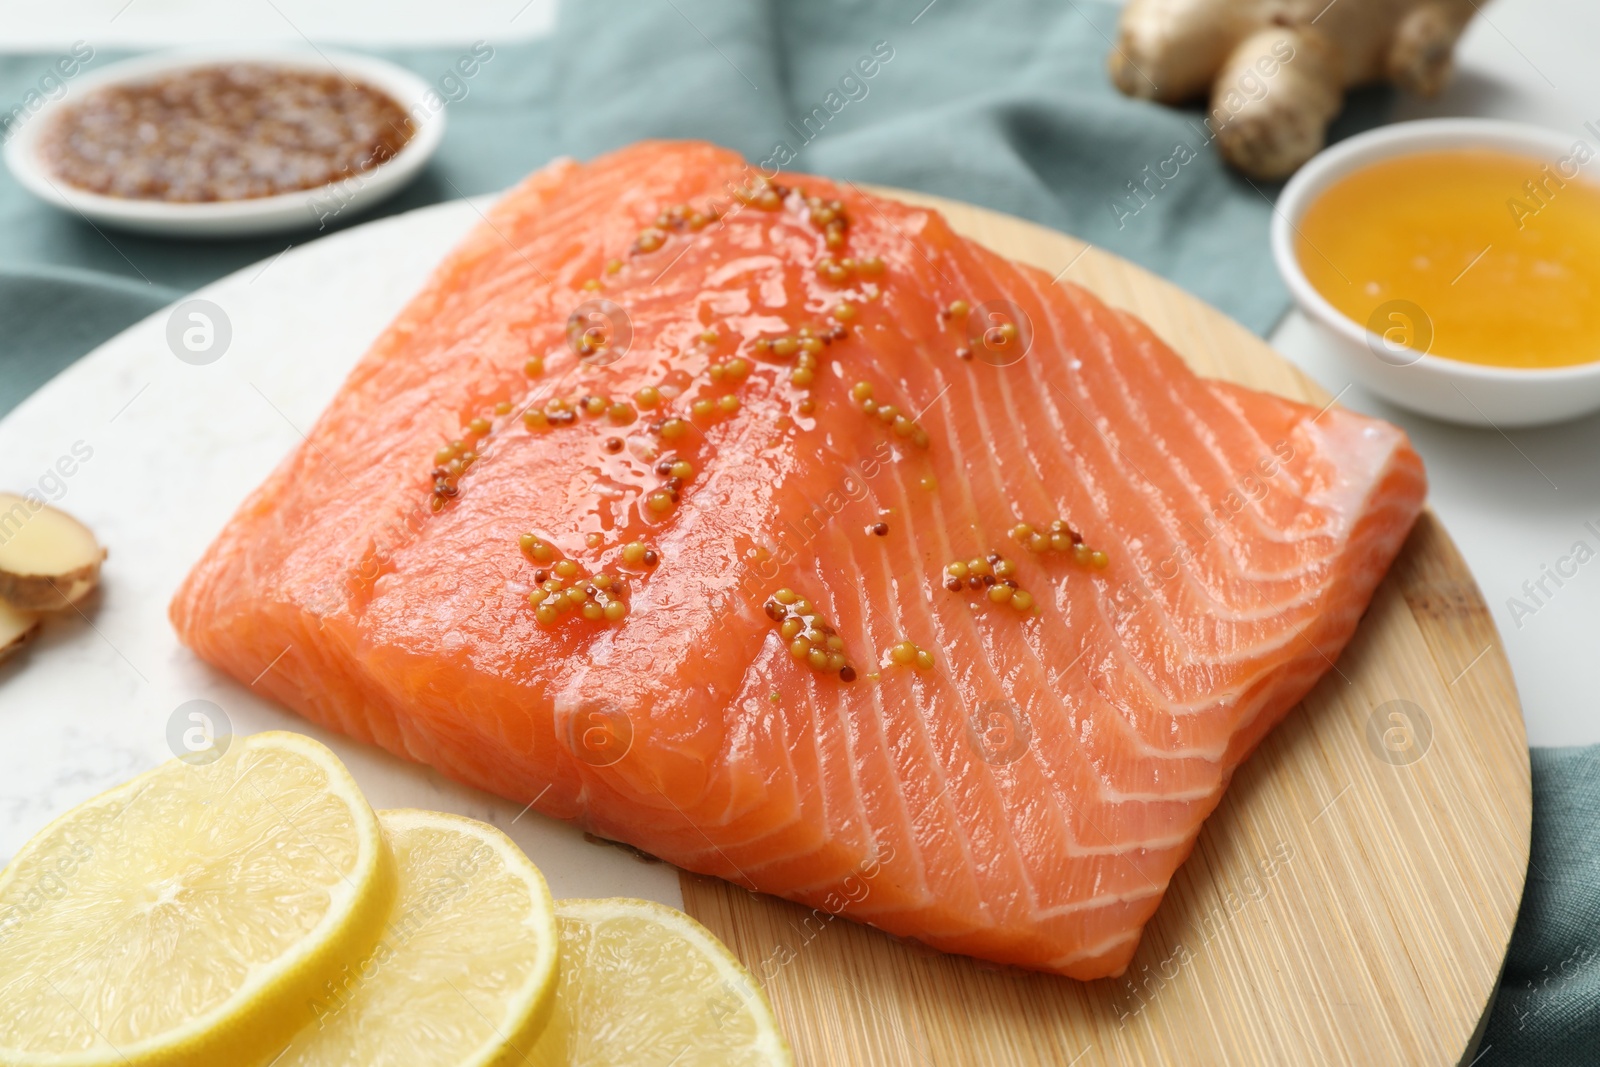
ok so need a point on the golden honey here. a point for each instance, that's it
(1500, 252)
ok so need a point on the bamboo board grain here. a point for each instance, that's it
(1345, 904)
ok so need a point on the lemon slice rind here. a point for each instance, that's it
(259, 1017)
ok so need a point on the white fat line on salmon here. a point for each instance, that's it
(789, 540)
(1248, 489)
(1135, 993)
(1251, 87)
(399, 532)
(338, 991)
(1538, 591)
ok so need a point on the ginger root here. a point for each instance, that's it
(1277, 69)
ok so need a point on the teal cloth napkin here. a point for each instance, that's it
(1004, 104)
(1548, 1009)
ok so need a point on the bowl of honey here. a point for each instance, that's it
(1455, 263)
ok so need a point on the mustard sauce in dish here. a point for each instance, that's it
(226, 132)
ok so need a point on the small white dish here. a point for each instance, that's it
(300, 210)
(1448, 389)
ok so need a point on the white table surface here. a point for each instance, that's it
(1514, 502)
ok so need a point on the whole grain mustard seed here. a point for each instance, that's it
(533, 367)
(728, 404)
(844, 311)
(479, 426)
(1059, 536)
(597, 597)
(537, 548)
(647, 397)
(907, 654)
(613, 265)
(880, 529)
(649, 239)
(659, 501)
(621, 413)
(674, 428)
(807, 635)
(503, 408)
(993, 575)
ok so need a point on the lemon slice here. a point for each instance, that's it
(185, 917)
(465, 973)
(647, 986)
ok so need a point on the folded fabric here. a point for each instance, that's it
(1006, 104)
(1548, 1009)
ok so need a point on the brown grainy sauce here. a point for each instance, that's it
(228, 132)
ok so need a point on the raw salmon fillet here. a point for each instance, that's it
(1017, 785)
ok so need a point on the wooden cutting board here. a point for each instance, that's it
(1349, 902)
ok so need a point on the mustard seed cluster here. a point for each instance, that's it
(1059, 536)
(888, 414)
(811, 640)
(992, 575)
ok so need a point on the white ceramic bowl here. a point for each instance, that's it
(1444, 388)
(301, 210)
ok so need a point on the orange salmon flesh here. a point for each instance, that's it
(533, 543)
